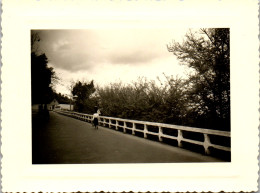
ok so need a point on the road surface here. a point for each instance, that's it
(64, 140)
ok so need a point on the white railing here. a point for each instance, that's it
(131, 125)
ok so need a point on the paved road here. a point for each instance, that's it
(66, 140)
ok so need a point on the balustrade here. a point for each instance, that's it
(107, 121)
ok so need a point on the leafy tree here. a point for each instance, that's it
(175, 105)
(82, 91)
(42, 76)
(62, 99)
(207, 52)
(144, 100)
(111, 97)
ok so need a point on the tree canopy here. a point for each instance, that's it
(207, 52)
(144, 100)
(62, 99)
(81, 91)
(42, 76)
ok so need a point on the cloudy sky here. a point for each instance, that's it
(108, 56)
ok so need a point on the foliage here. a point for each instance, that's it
(207, 53)
(62, 99)
(42, 76)
(144, 100)
(82, 91)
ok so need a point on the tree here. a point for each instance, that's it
(145, 100)
(175, 101)
(62, 99)
(41, 82)
(35, 39)
(42, 76)
(207, 52)
(82, 92)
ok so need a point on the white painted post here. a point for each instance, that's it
(124, 126)
(116, 124)
(133, 129)
(160, 133)
(145, 131)
(109, 126)
(207, 143)
(180, 137)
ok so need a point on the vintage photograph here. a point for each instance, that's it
(130, 95)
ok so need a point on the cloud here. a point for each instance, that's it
(133, 57)
(109, 55)
(66, 50)
(59, 46)
(76, 50)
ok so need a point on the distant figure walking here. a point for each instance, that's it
(95, 120)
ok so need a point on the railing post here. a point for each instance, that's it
(145, 131)
(124, 127)
(109, 126)
(116, 124)
(133, 129)
(180, 137)
(104, 122)
(207, 143)
(160, 133)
